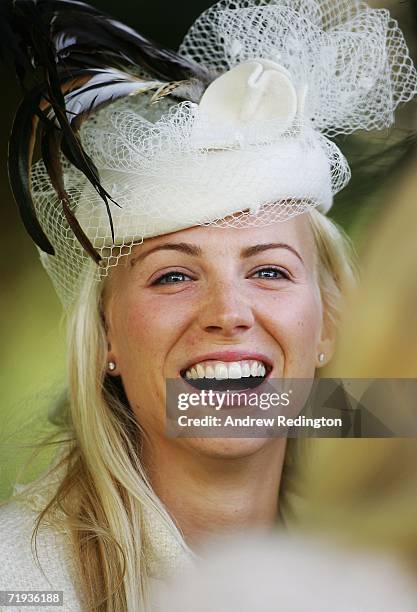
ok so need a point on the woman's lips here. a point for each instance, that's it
(226, 370)
(230, 356)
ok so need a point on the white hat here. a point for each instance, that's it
(247, 144)
(233, 130)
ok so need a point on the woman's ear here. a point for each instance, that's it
(111, 361)
(327, 343)
(111, 358)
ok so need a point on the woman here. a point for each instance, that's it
(199, 206)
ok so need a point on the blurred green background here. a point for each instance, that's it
(32, 356)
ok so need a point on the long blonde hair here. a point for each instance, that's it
(104, 491)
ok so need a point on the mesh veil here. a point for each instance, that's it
(350, 61)
(353, 58)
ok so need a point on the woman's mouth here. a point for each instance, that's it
(227, 375)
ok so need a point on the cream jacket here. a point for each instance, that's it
(19, 570)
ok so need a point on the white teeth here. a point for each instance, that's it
(245, 370)
(220, 371)
(235, 371)
(254, 369)
(224, 370)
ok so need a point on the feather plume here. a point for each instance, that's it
(21, 145)
(85, 60)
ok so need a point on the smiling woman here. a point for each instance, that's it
(234, 288)
(185, 233)
(218, 298)
(205, 298)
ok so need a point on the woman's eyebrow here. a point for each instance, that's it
(183, 247)
(259, 248)
(196, 251)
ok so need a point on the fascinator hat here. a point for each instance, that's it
(234, 129)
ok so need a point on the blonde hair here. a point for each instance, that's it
(104, 491)
(337, 265)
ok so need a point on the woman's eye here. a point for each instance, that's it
(170, 278)
(271, 273)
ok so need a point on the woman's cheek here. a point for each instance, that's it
(132, 336)
(150, 329)
(310, 322)
(298, 310)
(297, 323)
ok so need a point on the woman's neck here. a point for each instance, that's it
(210, 495)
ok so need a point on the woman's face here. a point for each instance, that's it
(208, 295)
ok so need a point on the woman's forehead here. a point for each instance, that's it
(295, 232)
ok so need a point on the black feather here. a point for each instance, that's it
(114, 44)
(79, 233)
(85, 59)
(51, 153)
(21, 145)
(101, 87)
(51, 140)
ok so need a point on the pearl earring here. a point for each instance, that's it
(321, 357)
(111, 365)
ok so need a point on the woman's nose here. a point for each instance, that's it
(225, 311)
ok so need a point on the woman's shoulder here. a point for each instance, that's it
(17, 522)
(26, 567)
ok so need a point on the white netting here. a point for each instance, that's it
(353, 58)
(169, 166)
(160, 181)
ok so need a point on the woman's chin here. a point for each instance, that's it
(227, 448)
